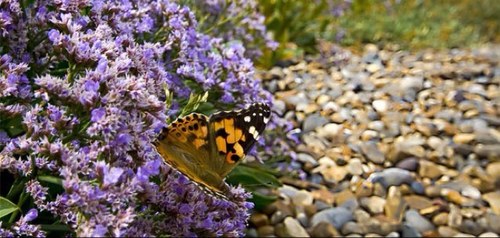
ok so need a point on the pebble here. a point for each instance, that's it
(294, 229)
(394, 144)
(324, 229)
(374, 204)
(420, 223)
(336, 216)
(493, 198)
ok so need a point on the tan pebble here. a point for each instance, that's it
(464, 138)
(446, 231)
(493, 199)
(418, 202)
(493, 170)
(324, 229)
(440, 219)
(430, 210)
(259, 219)
(265, 230)
(323, 195)
(343, 196)
(395, 205)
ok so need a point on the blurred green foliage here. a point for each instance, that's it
(412, 24)
(416, 24)
(296, 25)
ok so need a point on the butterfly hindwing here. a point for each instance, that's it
(207, 149)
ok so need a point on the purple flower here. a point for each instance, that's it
(98, 114)
(31, 215)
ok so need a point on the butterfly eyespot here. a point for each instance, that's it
(190, 128)
(180, 120)
(178, 134)
(195, 126)
(195, 116)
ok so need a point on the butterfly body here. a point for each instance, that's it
(207, 149)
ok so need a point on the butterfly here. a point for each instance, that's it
(207, 149)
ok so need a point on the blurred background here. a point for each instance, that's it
(411, 24)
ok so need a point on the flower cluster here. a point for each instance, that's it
(235, 20)
(81, 100)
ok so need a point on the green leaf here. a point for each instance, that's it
(50, 179)
(7, 207)
(56, 227)
(251, 177)
(193, 103)
(261, 200)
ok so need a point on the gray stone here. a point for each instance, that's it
(409, 231)
(420, 223)
(336, 216)
(371, 151)
(312, 122)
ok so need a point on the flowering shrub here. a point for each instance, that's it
(81, 100)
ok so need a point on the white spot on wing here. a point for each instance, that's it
(247, 119)
(266, 120)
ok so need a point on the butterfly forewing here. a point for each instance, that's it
(184, 145)
(233, 135)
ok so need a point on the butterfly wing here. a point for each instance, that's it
(232, 135)
(184, 145)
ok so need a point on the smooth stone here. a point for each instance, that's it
(288, 191)
(376, 125)
(350, 228)
(492, 151)
(251, 232)
(414, 219)
(343, 196)
(337, 216)
(464, 138)
(361, 216)
(372, 152)
(391, 177)
(267, 230)
(488, 234)
(392, 235)
(306, 158)
(355, 167)
(259, 219)
(395, 205)
(418, 187)
(418, 202)
(312, 122)
(411, 83)
(409, 231)
(493, 170)
(324, 229)
(294, 229)
(410, 164)
(470, 227)
(493, 198)
(493, 222)
(330, 130)
(446, 231)
(440, 219)
(471, 192)
(374, 204)
(430, 170)
(303, 198)
(381, 105)
(455, 216)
